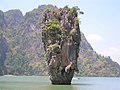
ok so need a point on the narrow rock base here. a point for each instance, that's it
(61, 83)
(62, 78)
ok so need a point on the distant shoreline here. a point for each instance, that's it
(9, 75)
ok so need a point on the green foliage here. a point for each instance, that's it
(17, 64)
(67, 8)
(52, 30)
(55, 48)
(70, 15)
(76, 21)
(72, 32)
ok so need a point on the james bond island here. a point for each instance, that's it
(61, 37)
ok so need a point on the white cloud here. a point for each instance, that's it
(113, 52)
(93, 38)
(109, 51)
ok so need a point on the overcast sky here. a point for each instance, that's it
(100, 23)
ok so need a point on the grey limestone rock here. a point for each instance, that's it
(61, 38)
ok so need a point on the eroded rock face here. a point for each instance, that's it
(3, 51)
(61, 38)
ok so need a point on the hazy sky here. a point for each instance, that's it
(100, 23)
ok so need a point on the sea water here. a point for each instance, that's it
(43, 83)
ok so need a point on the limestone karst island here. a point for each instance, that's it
(61, 38)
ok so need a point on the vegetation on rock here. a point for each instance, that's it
(24, 53)
(61, 38)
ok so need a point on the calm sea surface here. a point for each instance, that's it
(43, 83)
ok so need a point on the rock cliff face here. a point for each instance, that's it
(3, 50)
(26, 55)
(61, 38)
